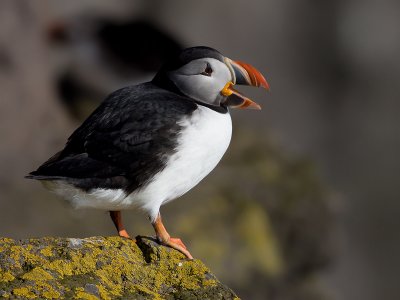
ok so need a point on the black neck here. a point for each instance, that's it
(221, 109)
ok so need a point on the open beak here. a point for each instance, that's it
(242, 74)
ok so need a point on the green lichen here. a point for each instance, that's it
(103, 268)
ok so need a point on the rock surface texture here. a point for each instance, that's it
(102, 268)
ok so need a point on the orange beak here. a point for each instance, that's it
(242, 74)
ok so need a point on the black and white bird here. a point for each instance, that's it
(148, 144)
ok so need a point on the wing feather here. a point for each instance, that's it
(125, 141)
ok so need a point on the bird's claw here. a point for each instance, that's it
(124, 233)
(178, 241)
(176, 244)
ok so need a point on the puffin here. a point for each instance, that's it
(148, 144)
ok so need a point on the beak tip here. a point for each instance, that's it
(266, 87)
(264, 84)
(254, 106)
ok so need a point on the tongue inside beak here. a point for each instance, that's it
(242, 74)
(236, 100)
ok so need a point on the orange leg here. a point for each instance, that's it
(117, 220)
(165, 239)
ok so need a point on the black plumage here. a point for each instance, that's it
(123, 143)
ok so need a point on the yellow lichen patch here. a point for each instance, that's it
(43, 288)
(146, 291)
(51, 294)
(209, 282)
(190, 274)
(63, 267)
(47, 251)
(83, 263)
(37, 274)
(172, 271)
(6, 241)
(103, 292)
(18, 253)
(6, 276)
(111, 279)
(24, 293)
(81, 294)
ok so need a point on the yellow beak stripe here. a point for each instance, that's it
(226, 91)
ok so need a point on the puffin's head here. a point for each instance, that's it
(205, 75)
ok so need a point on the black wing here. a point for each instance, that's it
(123, 143)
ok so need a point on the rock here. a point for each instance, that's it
(102, 268)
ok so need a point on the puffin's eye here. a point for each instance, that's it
(208, 71)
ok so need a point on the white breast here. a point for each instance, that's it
(202, 143)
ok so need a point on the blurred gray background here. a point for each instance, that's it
(334, 71)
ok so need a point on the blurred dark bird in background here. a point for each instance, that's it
(126, 49)
(148, 144)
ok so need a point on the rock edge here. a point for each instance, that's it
(102, 268)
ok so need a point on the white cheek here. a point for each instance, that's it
(221, 76)
(200, 87)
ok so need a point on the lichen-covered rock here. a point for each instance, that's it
(102, 268)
